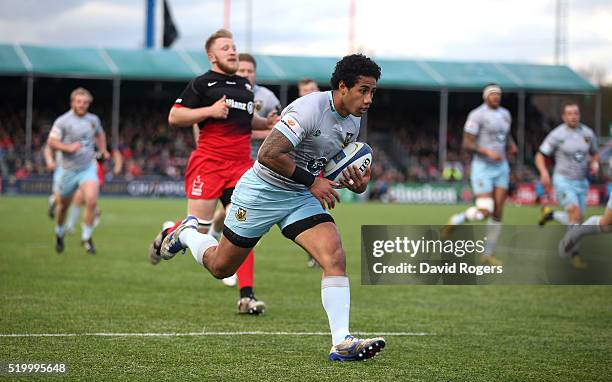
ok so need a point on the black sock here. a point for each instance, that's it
(246, 292)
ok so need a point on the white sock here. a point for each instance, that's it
(73, 215)
(589, 227)
(457, 219)
(561, 217)
(197, 242)
(494, 228)
(213, 232)
(87, 231)
(473, 213)
(59, 230)
(336, 298)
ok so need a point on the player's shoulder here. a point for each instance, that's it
(92, 117)
(311, 103)
(66, 117)
(478, 111)
(504, 111)
(587, 130)
(262, 92)
(202, 81)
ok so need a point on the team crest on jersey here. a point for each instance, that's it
(316, 165)
(579, 156)
(317, 133)
(248, 86)
(241, 214)
(500, 137)
(258, 106)
(196, 186)
(587, 140)
(347, 139)
(250, 107)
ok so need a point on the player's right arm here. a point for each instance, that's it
(49, 160)
(547, 148)
(54, 141)
(273, 155)
(183, 116)
(469, 144)
(540, 163)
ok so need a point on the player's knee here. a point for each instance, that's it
(221, 271)
(335, 262)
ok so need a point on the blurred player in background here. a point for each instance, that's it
(76, 134)
(283, 188)
(78, 201)
(487, 136)
(571, 144)
(221, 102)
(307, 86)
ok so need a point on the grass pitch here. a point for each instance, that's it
(475, 333)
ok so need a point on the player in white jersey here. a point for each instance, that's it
(284, 188)
(75, 133)
(571, 143)
(487, 136)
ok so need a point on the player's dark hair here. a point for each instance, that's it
(248, 58)
(351, 67)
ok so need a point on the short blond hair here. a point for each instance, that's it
(81, 91)
(221, 33)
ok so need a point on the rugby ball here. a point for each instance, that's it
(355, 153)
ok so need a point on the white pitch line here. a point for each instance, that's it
(202, 334)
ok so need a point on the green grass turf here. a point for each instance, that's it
(479, 333)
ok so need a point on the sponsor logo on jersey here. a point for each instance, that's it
(241, 214)
(178, 100)
(196, 186)
(316, 165)
(233, 104)
(248, 86)
(289, 123)
(230, 82)
(211, 83)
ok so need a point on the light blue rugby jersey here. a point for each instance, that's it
(317, 133)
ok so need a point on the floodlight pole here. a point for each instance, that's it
(443, 128)
(28, 124)
(227, 8)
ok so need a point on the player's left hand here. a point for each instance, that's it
(594, 168)
(354, 181)
(512, 150)
(271, 119)
(105, 154)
